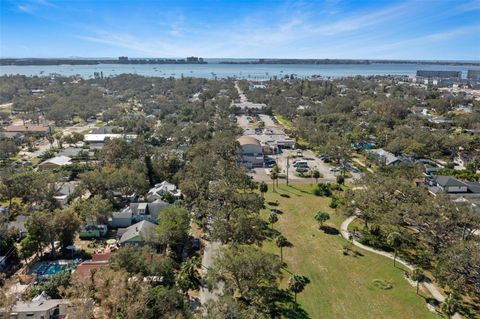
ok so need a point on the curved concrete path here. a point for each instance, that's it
(430, 287)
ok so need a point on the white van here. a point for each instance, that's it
(300, 164)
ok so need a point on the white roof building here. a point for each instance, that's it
(100, 138)
(55, 162)
(389, 158)
(159, 190)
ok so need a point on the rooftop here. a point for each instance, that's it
(41, 305)
(246, 140)
(58, 160)
(449, 181)
(144, 229)
(27, 128)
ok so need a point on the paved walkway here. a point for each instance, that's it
(210, 252)
(428, 285)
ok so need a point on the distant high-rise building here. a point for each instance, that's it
(192, 59)
(123, 58)
(473, 74)
(439, 74)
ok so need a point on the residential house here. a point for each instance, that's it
(19, 225)
(138, 234)
(98, 140)
(93, 231)
(257, 86)
(159, 190)
(464, 158)
(76, 153)
(447, 184)
(55, 162)
(98, 261)
(38, 309)
(453, 186)
(19, 130)
(136, 212)
(385, 157)
(64, 191)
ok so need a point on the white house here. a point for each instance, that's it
(159, 190)
(97, 140)
(55, 162)
(39, 309)
(386, 157)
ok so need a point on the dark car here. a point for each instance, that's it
(196, 243)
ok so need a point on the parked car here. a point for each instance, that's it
(270, 163)
(325, 158)
(302, 169)
(302, 163)
(196, 244)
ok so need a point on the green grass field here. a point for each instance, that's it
(341, 286)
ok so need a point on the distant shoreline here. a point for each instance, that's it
(45, 61)
(57, 61)
(348, 61)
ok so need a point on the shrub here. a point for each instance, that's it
(340, 179)
(322, 190)
(334, 202)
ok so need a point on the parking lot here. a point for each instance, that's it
(314, 163)
(275, 130)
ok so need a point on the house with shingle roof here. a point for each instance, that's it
(55, 162)
(450, 184)
(136, 212)
(138, 234)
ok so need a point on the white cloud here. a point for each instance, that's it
(473, 5)
(294, 31)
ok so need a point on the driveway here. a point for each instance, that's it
(209, 254)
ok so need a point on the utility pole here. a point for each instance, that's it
(288, 165)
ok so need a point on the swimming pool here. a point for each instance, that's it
(50, 269)
(46, 269)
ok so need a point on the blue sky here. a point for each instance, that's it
(411, 29)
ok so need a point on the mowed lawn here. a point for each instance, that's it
(341, 286)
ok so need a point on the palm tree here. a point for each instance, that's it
(263, 188)
(188, 277)
(296, 284)
(272, 219)
(276, 170)
(59, 137)
(451, 304)
(394, 240)
(417, 275)
(322, 217)
(50, 139)
(281, 242)
(273, 176)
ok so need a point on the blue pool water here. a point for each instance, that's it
(50, 269)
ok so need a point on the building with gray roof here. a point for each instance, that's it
(40, 309)
(136, 212)
(137, 234)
